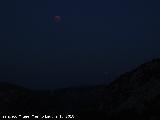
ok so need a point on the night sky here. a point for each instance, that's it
(93, 43)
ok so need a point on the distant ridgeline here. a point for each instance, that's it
(135, 95)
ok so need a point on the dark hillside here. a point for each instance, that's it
(133, 95)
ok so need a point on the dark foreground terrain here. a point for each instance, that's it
(134, 95)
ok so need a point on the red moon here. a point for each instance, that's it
(57, 19)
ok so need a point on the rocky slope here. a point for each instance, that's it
(133, 93)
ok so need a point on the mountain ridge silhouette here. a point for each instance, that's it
(133, 95)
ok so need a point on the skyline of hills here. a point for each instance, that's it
(133, 95)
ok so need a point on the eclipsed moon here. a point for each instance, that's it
(57, 19)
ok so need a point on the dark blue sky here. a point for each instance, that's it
(112, 36)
